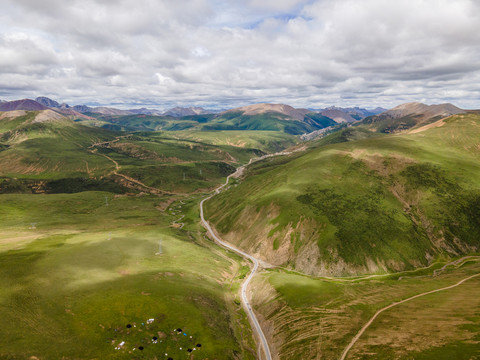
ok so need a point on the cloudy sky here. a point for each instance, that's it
(223, 53)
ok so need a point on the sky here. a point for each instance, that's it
(228, 53)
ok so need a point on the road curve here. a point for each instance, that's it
(245, 284)
(362, 330)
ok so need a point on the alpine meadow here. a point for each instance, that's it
(270, 180)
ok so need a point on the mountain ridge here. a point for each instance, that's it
(409, 115)
(23, 104)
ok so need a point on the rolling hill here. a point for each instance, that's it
(46, 151)
(361, 203)
(39, 146)
(264, 117)
(89, 243)
(275, 117)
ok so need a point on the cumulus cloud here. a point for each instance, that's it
(308, 53)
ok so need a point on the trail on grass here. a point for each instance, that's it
(176, 222)
(246, 304)
(149, 189)
(365, 327)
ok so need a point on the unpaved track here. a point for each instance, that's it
(365, 327)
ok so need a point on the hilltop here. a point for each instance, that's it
(409, 115)
(289, 112)
(24, 104)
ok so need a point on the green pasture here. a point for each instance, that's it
(75, 271)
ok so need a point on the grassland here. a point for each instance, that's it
(77, 268)
(366, 205)
(75, 271)
(311, 318)
(58, 155)
(189, 161)
(77, 265)
(50, 149)
(265, 141)
(267, 121)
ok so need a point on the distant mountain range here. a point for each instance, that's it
(336, 113)
(271, 117)
(175, 112)
(349, 115)
(24, 104)
(181, 111)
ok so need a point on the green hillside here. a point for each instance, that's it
(59, 155)
(371, 204)
(270, 121)
(267, 121)
(141, 122)
(47, 145)
(386, 124)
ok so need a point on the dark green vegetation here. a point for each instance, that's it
(267, 121)
(149, 122)
(359, 203)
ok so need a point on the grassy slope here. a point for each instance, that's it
(57, 150)
(313, 318)
(385, 124)
(144, 122)
(162, 159)
(49, 149)
(266, 141)
(374, 204)
(229, 121)
(267, 121)
(71, 284)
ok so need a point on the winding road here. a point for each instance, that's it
(245, 302)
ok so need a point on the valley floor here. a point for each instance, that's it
(80, 275)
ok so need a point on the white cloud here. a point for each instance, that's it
(231, 52)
